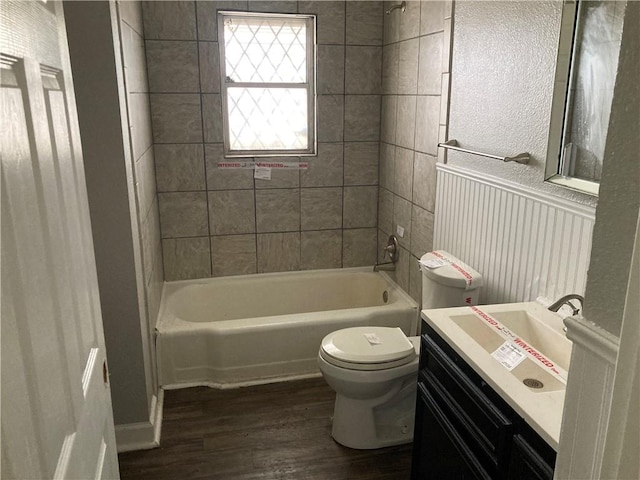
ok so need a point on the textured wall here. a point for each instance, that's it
(503, 67)
(223, 222)
(414, 115)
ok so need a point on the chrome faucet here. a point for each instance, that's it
(554, 307)
(393, 251)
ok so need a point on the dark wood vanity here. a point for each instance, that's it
(464, 429)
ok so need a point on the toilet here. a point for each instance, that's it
(374, 370)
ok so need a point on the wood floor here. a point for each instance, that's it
(278, 431)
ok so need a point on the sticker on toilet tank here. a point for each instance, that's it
(372, 338)
(435, 263)
(509, 356)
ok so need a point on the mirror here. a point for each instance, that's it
(586, 70)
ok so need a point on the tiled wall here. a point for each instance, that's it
(415, 85)
(142, 158)
(223, 222)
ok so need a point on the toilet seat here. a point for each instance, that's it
(367, 348)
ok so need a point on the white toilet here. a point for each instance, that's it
(374, 370)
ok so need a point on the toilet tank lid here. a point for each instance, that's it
(445, 269)
(368, 344)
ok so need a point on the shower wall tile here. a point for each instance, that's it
(321, 249)
(432, 17)
(179, 167)
(233, 255)
(410, 21)
(211, 115)
(388, 118)
(364, 23)
(390, 64)
(296, 219)
(140, 123)
(362, 118)
(169, 20)
(176, 118)
(421, 231)
(330, 69)
(403, 185)
(223, 178)
(360, 207)
(172, 66)
(325, 170)
(232, 212)
(424, 181)
(361, 163)
(359, 247)
(186, 258)
(408, 67)
(385, 210)
(209, 55)
(406, 121)
(402, 220)
(278, 210)
(427, 124)
(278, 252)
(330, 23)
(429, 78)
(363, 70)
(330, 118)
(321, 208)
(183, 214)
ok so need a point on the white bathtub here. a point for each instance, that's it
(233, 331)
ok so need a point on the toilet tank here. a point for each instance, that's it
(447, 281)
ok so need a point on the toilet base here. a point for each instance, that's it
(362, 425)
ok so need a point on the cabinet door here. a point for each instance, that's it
(526, 463)
(439, 452)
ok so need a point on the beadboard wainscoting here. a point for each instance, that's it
(525, 243)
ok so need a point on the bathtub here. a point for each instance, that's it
(251, 329)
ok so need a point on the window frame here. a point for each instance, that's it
(310, 85)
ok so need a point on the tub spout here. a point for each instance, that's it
(387, 267)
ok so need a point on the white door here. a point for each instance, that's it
(57, 420)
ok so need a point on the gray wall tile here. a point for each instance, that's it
(233, 255)
(404, 173)
(278, 252)
(390, 63)
(325, 170)
(169, 20)
(387, 166)
(402, 218)
(183, 214)
(362, 118)
(408, 67)
(427, 124)
(212, 117)
(224, 178)
(209, 67)
(363, 69)
(385, 211)
(364, 23)
(359, 247)
(207, 14)
(280, 178)
(186, 258)
(421, 231)
(360, 205)
(290, 6)
(176, 118)
(330, 72)
(278, 210)
(330, 21)
(361, 163)
(424, 181)
(321, 249)
(432, 17)
(388, 118)
(179, 167)
(410, 21)
(405, 126)
(173, 66)
(429, 76)
(321, 208)
(330, 118)
(232, 212)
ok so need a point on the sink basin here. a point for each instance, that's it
(534, 331)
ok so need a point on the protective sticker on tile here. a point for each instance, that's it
(372, 338)
(262, 173)
(509, 356)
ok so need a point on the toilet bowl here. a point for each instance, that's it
(374, 370)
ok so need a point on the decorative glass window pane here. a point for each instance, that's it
(268, 83)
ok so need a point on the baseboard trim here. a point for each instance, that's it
(142, 435)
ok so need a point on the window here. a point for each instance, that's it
(267, 65)
(585, 77)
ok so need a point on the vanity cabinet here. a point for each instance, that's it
(464, 429)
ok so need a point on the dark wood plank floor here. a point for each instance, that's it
(277, 431)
